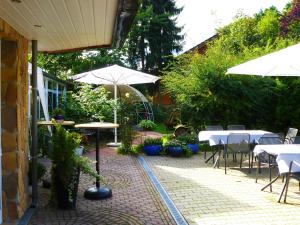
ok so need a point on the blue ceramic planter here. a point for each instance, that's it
(152, 149)
(194, 148)
(59, 118)
(175, 151)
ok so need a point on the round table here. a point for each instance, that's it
(97, 192)
(50, 123)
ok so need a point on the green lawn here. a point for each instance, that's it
(161, 128)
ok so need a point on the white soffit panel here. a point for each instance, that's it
(62, 24)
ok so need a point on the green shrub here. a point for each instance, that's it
(133, 150)
(187, 152)
(153, 141)
(138, 148)
(65, 165)
(147, 124)
(162, 113)
(162, 128)
(189, 138)
(205, 147)
(167, 137)
(173, 143)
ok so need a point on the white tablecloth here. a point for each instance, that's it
(217, 136)
(285, 154)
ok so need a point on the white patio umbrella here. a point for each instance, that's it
(284, 62)
(115, 75)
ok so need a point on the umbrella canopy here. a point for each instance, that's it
(116, 75)
(284, 62)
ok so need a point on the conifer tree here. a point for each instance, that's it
(154, 36)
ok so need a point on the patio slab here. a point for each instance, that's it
(135, 199)
(207, 196)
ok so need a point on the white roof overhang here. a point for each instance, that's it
(64, 25)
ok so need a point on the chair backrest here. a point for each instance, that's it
(296, 140)
(238, 143)
(214, 127)
(270, 139)
(236, 127)
(292, 132)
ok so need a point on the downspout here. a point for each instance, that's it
(126, 12)
(34, 127)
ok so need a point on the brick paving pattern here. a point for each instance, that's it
(135, 200)
(207, 196)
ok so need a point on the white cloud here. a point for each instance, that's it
(201, 18)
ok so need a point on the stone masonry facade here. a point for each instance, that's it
(14, 119)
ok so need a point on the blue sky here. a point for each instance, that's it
(201, 18)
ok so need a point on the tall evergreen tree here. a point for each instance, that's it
(154, 36)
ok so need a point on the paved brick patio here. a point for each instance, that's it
(135, 200)
(207, 196)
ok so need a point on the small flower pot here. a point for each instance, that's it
(152, 149)
(175, 151)
(59, 118)
(194, 148)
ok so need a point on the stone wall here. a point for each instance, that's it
(14, 108)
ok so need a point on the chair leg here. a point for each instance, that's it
(287, 186)
(249, 156)
(270, 173)
(270, 182)
(284, 187)
(257, 170)
(225, 160)
(219, 159)
(241, 160)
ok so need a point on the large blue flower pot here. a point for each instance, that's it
(175, 151)
(194, 148)
(152, 149)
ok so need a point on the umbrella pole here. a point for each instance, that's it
(115, 113)
(115, 143)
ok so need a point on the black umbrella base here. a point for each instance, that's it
(94, 193)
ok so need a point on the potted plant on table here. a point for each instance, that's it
(66, 167)
(191, 141)
(152, 146)
(58, 115)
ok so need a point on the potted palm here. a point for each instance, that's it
(152, 146)
(66, 166)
